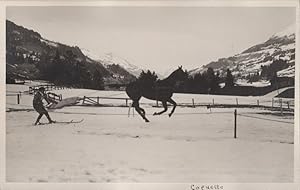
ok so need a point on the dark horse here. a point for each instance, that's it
(161, 90)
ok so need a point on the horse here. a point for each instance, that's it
(161, 90)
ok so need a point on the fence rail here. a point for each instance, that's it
(50, 95)
(95, 100)
(48, 87)
(280, 103)
(274, 104)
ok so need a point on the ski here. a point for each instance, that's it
(72, 121)
(62, 122)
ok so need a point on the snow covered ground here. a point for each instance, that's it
(195, 144)
(262, 83)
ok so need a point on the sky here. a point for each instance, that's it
(157, 38)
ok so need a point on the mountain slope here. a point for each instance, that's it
(27, 47)
(29, 56)
(280, 46)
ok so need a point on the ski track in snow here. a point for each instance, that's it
(187, 147)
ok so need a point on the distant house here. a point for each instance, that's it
(280, 82)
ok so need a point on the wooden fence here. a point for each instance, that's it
(273, 103)
(281, 103)
(48, 87)
(96, 100)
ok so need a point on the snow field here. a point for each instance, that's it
(108, 146)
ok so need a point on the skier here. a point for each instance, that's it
(38, 105)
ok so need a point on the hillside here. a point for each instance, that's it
(258, 59)
(30, 56)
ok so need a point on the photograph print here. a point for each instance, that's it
(150, 94)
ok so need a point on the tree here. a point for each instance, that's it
(148, 79)
(200, 83)
(213, 80)
(229, 80)
(43, 66)
(97, 80)
(270, 70)
(67, 69)
(50, 67)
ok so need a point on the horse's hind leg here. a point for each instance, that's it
(140, 111)
(174, 106)
(164, 103)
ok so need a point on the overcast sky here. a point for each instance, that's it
(158, 38)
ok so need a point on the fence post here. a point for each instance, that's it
(281, 106)
(258, 102)
(133, 112)
(213, 102)
(288, 104)
(156, 103)
(18, 98)
(272, 102)
(235, 114)
(237, 101)
(129, 111)
(97, 99)
(126, 102)
(83, 100)
(193, 102)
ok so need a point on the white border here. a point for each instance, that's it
(2, 96)
(133, 186)
(166, 3)
(297, 96)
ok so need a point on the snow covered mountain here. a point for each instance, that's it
(280, 46)
(30, 56)
(115, 67)
(109, 59)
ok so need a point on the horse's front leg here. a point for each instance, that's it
(174, 106)
(164, 103)
(140, 111)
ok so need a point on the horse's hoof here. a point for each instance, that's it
(154, 113)
(170, 115)
(147, 121)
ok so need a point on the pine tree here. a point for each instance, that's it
(54, 69)
(213, 80)
(147, 79)
(229, 80)
(98, 82)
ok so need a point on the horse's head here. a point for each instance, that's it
(179, 74)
